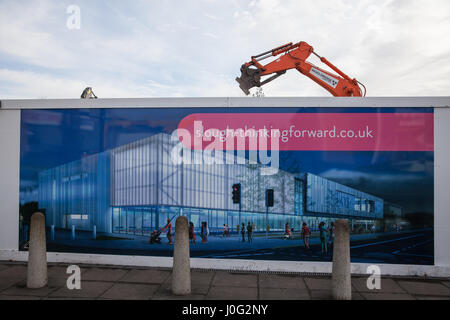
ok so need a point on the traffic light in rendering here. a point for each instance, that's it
(237, 193)
(269, 198)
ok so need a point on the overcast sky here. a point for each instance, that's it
(195, 48)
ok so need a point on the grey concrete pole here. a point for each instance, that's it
(37, 253)
(181, 272)
(341, 286)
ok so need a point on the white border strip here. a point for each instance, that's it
(229, 264)
(11, 142)
(221, 102)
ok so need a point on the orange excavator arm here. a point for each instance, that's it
(293, 56)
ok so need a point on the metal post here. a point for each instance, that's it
(267, 222)
(52, 232)
(240, 214)
(73, 232)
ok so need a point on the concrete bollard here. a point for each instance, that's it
(341, 276)
(52, 232)
(94, 232)
(181, 272)
(73, 232)
(37, 253)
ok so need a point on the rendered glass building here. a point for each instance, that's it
(136, 187)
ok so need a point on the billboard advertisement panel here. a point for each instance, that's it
(255, 183)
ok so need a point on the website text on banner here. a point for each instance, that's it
(311, 131)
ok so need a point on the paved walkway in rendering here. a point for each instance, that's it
(216, 244)
(99, 282)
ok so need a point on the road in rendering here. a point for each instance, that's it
(404, 248)
(408, 247)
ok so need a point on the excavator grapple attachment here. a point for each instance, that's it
(249, 78)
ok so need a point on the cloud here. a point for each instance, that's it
(413, 166)
(43, 86)
(171, 48)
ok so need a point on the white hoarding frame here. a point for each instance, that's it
(10, 165)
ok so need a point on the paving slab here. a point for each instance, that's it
(5, 297)
(283, 294)
(280, 281)
(357, 296)
(432, 298)
(201, 278)
(321, 294)
(65, 298)
(4, 266)
(5, 283)
(89, 290)
(158, 296)
(200, 282)
(196, 287)
(58, 272)
(230, 293)
(387, 286)
(103, 274)
(15, 271)
(127, 291)
(20, 289)
(318, 283)
(225, 279)
(425, 288)
(150, 276)
(387, 296)
(57, 282)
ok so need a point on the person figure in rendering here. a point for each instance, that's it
(155, 238)
(228, 231)
(191, 232)
(306, 233)
(224, 233)
(243, 232)
(287, 231)
(331, 234)
(323, 237)
(169, 231)
(249, 232)
(202, 228)
(205, 232)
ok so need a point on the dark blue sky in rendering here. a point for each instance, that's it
(54, 137)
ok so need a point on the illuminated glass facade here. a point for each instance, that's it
(77, 193)
(136, 187)
(333, 199)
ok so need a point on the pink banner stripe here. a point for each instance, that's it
(318, 131)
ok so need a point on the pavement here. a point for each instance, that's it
(118, 283)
